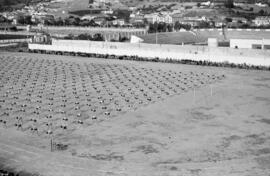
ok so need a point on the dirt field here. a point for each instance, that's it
(132, 118)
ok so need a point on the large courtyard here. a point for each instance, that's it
(131, 118)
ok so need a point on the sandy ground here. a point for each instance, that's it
(198, 132)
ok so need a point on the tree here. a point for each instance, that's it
(186, 26)
(84, 37)
(151, 28)
(77, 21)
(204, 24)
(93, 23)
(20, 19)
(239, 21)
(69, 37)
(50, 21)
(66, 21)
(177, 26)
(155, 25)
(145, 22)
(73, 21)
(84, 23)
(98, 37)
(170, 28)
(122, 39)
(228, 20)
(229, 4)
(261, 12)
(59, 22)
(162, 27)
(46, 22)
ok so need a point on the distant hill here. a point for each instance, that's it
(126, 2)
(12, 2)
(8, 3)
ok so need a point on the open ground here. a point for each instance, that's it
(202, 35)
(132, 118)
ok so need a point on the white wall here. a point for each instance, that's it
(215, 54)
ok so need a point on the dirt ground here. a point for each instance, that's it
(219, 128)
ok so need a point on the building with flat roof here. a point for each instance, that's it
(262, 21)
(250, 43)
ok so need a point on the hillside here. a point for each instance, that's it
(16, 2)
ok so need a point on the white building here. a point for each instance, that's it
(119, 22)
(109, 11)
(207, 3)
(239, 19)
(158, 17)
(262, 21)
(261, 4)
(250, 43)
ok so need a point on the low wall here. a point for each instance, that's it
(177, 52)
(14, 40)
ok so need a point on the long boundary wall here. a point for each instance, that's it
(177, 52)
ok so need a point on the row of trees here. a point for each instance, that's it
(24, 20)
(95, 37)
(74, 21)
(69, 21)
(178, 26)
(160, 27)
(164, 27)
